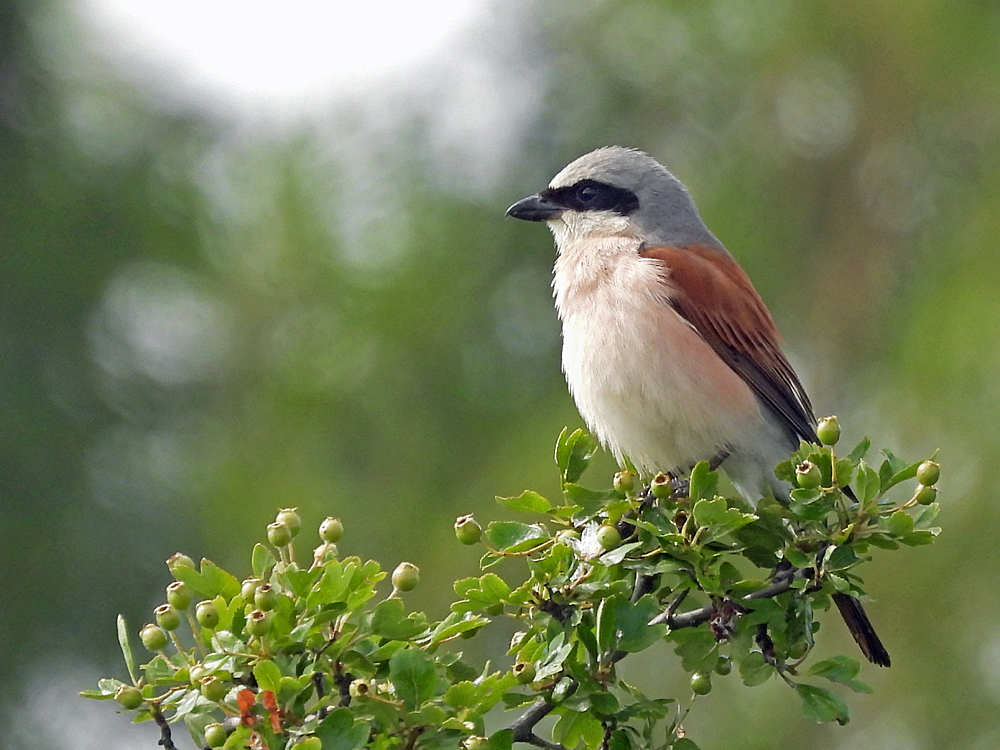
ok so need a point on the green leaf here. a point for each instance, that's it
(126, 648)
(573, 728)
(211, 582)
(339, 732)
(842, 670)
(262, 560)
(512, 536)
(704, 482)
(868, 485)
(502, 740)
(754, 669)
(606, 629)
(412, 674)
(684, 743)
(822, 705)
(573, 453)
(697, 648)
(526, 502)
(463, 694)
(268, 675)
(634, 632)
(388, 619)
(589, 501)
(860, 450)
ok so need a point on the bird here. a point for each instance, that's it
(669, 352)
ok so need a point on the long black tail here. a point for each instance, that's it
(861, 628)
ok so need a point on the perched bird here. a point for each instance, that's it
(669, 352)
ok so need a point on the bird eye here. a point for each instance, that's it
(587, 193)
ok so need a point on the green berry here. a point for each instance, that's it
(926, 495)
(624, 481)
(279, 535)
(207, 614)
(405, 577)
(266, 597)
(928, 473)
(661, 486)
(808, 475)
(467, 530)
(153, 638)
(259, 622)
(308, 743)
(724, 665)
(213, 688)
(128, 697)
(248, 588)
(179, 595)
(215, 735)
(798, 650)
(828, 430)
(196, 674)
(701, 683)
(290, 518)
(167, 617)
(524, 672)
(608, 537)
(331, 530)
(475, 742)
(178, 561)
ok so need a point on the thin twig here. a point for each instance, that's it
(161, 721)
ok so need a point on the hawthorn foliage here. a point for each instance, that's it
(308, 654)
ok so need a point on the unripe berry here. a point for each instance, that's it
(608, 537)
(928, 473)
(215, 735)
(153, 638)
(624, 481)
(927, 495)
(798, 650)
(828, 430)
(248, 588)
(279, 535)
(179, 560)
(308, 743)
(475, 742)
(808, 475)
(661, 486)
(567, 536)
(331, 530)
(467, 530)
(259, 622)
(167, 617)
(290, 518)
(724, 665)
(265, 597)
(128, 697)
(701, 683)
(207, 614)
(213, 688)
(524, 672)
(179, 595)
(405, 577)
(196, 674)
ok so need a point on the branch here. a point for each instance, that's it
(524, 725)
(782, 582)
(161, 721)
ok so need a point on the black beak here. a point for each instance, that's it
(535, 208)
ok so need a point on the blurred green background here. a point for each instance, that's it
(209, 310)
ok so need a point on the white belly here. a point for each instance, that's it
(644, 381)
